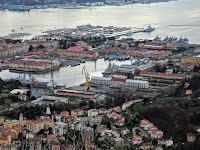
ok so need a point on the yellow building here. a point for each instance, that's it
(11, 123)
(1, 120)
(141, 45)
(35, 126)
(44, 117)
(193, 60)
(48, 123)
(77, 112)
(163, 75)
(30, 64)
(5, 139)
(117, 108)
(76, 53)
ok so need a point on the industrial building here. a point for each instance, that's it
(35, 64)
(137, 83)
(106, 81)
(126, 69)
(77, 53)
(163, 75)
(191, 60)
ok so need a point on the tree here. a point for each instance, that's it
(30, 48)
(91, 104)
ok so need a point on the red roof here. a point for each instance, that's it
(136, 138)
(118, 79)
(110, 49)
(30, 122)
(51, 137)
(34, 53)
(38, 121)
(120, 121)
(76, 51)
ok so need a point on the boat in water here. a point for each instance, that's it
(18, 8)
(149, 29)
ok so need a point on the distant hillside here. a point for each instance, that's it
(33, 2)
(44, 2)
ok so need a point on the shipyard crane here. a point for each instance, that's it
(87, 77)
(111, 70)
(52, 67)
(130, 57)
(59, 54)
(33, 81)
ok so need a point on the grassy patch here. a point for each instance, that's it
(5, 91)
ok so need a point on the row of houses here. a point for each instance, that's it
(8, 50)
(151, 129)
(36, 64)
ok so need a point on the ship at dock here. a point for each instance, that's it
(149, 29)
(18, 8)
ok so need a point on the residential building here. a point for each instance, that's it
(77, 112)
(11, 123)
(92, 113)
(60, 129)
(94, 120)
(35, 126)
(1, 120)
(48, 124)
(137, 139)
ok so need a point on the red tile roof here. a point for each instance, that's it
(118, 79)
(110, 49)
(76, 51)
(51, 137)
(38, 121)
(136, 138)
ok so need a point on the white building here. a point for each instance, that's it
(60, 128)
(119, 82)
(101, 80)
(127, 69)
(92, 113)
(137, 83)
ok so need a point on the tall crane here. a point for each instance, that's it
(59, 54)
(52, 67)
(33, 81)
(111, 70)
(130, 57)
(87, 77)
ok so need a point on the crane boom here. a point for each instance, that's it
(130, 57)
(111, 70)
